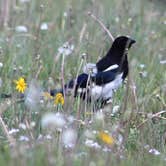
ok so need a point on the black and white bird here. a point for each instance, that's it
(99, 81)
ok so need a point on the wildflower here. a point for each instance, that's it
(92, 144)
(163, 62)
(1, 81)
(23, 138)
(13, 131)
(154, 151)
(44, 26)
(20, 85)
(115, 110)
(66, 49)
(1, 64)
(59, 99)
(32, 124)
(48, 137)
(24, 1)
(69, 137)
(21, 28)
(22, 126)
(33, 95)
(53, 120)
(142, 66)
(106, 138)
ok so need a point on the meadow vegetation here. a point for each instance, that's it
(47, 43)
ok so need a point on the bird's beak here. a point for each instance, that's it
(133, 41)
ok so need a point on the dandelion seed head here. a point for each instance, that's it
(89, 134)
(1, 64)
(154, 151)
(24, 1)
(32, 124)
(69, 137)
(40, 137)
(1, 82)
(44, 26)
(163, 62)
(48, 137)
(70, 119)
(21, 29)
(65, 14)
(115, 109)
(32, 96)
(66, 49)
(53, 120)
(117, 19)
(142, 66)
(22, 126)
(13, 131)
(90, 143)
(23, 138)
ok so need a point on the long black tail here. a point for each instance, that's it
(4, 95)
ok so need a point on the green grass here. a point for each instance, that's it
(24, 54)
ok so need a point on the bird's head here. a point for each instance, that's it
(123, 43)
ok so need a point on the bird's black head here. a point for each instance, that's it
(122, 43)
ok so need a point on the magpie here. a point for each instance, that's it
(99, 81)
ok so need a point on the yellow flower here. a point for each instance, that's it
(59, 99)
(20, 85)
(106, 138)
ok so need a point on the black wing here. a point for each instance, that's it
(105, 77)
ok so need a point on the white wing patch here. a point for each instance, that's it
(112, 67)
(106, 91)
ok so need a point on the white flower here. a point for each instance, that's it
(70, 119)
(32, 124)
(117, 19)
(106, 149)
(115, 109)
(44, 26)
(13, 131)
(1, 81)
(89, 134)
(1, 64)
(163, 62)
(69, 137)
(142, 66)
(65, 14)
(21, 28)
(66, 49)
(40, 137)
(22, 126)
(92, 144)
(24, 1)
(23, 138)
(154, 151)
(48, 136)
(53, 120)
